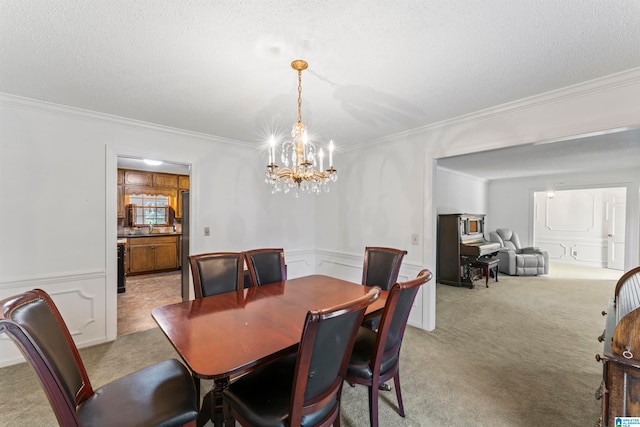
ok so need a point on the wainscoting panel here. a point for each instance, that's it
(575, 225)
(79, 296)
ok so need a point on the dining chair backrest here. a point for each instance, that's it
(381, 266)
(326, 343)
(376, 354)
(395, 315)
(161, 394)
(265, 266)
(310, 395)
(34, 323)
(217, 272)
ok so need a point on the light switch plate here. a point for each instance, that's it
(207, 231)
(414, 239)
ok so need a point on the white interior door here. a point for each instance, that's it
(616, 209)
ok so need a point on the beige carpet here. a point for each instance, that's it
(519, 353)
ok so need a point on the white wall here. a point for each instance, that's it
(602, 104)
(573, 225)
(460, 193)
(511, 202)
(58, 186)
(57, 165)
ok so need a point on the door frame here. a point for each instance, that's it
(111, 222)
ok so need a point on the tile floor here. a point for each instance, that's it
(143, 294)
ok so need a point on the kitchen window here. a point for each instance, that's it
(148, 209)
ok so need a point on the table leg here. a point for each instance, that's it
(212, 404)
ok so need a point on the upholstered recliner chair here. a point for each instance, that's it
(516, 260)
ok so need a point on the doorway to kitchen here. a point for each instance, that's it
(149, 223)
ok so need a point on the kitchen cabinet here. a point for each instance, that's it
(165, 180)
(183, 185)
(140, 182)
(140, 178)
(152, 254)
(120, 188)
(183, 182)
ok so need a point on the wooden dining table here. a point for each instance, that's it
(222, 336)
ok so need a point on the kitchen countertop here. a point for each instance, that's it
(128, 236)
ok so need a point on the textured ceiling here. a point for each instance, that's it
(376, 67)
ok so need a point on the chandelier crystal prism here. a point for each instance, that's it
(299, 157)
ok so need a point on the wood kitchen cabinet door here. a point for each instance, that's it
(133, 177)
(166, 256)
(141, 258)
(165, 180)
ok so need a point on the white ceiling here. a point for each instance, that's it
(376, 67)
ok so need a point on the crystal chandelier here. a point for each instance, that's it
(300, 157)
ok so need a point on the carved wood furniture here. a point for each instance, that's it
(304, 388)
(381, 268)
(265, 265)
(620, 388)
(253, 327)
(460, 243)
(376, 354)
(487, 265)
(161, 394)
(217, 272)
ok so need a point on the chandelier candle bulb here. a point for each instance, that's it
(272, 157)
(321, 155)
(330, 154)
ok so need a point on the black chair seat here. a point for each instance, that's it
(159, 395)
(264, 396)
(361, 357)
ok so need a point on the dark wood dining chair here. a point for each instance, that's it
(161, 394)
(376, 354)
(217, 272)
(266, 266)
(302, 389)
(381, 268)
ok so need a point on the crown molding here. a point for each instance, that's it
(17, 101)
(590, 87)
(462, 174)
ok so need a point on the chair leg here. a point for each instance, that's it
(396, 381)
(373, 405)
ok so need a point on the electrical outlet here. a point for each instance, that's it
(207, 231)
(414, 239)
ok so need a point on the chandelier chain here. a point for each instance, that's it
(299, 96)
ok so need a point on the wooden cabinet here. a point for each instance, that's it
(165, 180)
(120, 189)
(140, 178)
(152, 254)
(183, 185)
(620, 387)
(140, 182)
(183, 182)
